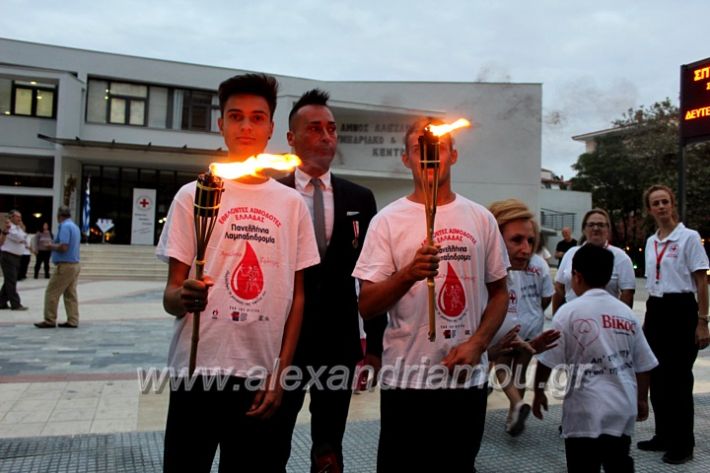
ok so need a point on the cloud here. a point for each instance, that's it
(595, 60)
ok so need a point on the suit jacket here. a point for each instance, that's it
(330, 333)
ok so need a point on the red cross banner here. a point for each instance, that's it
(143, 221)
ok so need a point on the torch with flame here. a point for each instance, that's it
(429, 160)
(208, 196)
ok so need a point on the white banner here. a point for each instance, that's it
(143, 222)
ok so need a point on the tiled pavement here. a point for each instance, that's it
(70, 402)
(538, 449)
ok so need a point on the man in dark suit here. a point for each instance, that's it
(329, 344)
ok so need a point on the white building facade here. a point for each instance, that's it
(136, 123)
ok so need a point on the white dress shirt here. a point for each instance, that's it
(15, 240)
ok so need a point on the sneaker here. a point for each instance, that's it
(675, 458)
(517, 420)
(19, 307)
(67, 325)
(653, 445)
(4, 307)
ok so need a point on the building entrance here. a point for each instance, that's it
(112, 197)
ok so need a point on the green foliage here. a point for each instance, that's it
(641, 151)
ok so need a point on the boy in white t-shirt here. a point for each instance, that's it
(250, 299)
(430, 420)
(608, 361)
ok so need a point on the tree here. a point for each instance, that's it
(642, 149)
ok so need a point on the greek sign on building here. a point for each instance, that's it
(143, 222)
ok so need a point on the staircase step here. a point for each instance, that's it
(106, 261)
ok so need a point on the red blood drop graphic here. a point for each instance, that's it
(247, 278)
(452, 298)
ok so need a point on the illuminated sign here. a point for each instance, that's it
(695, 101)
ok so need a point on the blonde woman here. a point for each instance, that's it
(530, 290)
(676, 323)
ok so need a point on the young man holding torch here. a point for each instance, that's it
(330, 338)
(431, 389)
(251, 298)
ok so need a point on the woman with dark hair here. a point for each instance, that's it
(595, 228)
(41, 245)
(676, 324)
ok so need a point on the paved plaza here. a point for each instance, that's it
(70, 400)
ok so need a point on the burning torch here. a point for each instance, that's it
(429, 160)
(207, 199)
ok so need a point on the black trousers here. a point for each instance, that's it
(329, 407)
(202, 417)
(42, 258)
(24, 265)
(670, 329)
(430, 429)
(588, 455)
(10, 267)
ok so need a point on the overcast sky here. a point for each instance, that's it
(594, 59)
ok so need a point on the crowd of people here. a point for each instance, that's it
(278, 307)
(63, 250)
(300, 270)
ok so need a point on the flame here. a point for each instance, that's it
(254, 164)
(441, 130)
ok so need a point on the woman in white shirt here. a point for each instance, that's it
(595, 227)
(676, 324)
(530, 289)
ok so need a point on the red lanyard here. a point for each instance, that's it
(659, 258)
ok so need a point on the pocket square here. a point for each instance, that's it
(352, 213)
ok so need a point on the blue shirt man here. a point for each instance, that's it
(69, 235)
(65, 255)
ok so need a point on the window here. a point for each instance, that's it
(158, 107)
(197, 110)
(5, 94)
(31, 171)
(30, 99)
(127, 103)
(122, 103)
(96, 101)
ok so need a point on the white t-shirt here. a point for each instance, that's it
(472, 254)
(601, 336)
(511, 316)
(544, 253)
(527, 288)
(683, 255)
(622, 276)
(262, 236)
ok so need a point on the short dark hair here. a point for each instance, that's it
(260, 85)
(312, 97)
(595, 264)
(63, 211)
